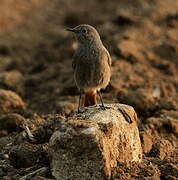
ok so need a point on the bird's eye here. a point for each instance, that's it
(84, 31)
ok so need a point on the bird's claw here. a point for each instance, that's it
(104, 107)
(79, 111)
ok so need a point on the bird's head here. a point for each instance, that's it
(85, 33)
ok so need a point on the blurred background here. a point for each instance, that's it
(36, 51)
(141, 35)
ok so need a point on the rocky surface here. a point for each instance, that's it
(89, 145)
(37, 90)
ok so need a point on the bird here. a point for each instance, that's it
(91, 64)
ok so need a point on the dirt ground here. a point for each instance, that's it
(37, 86)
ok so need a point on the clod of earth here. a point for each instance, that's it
(10, 102)
(12, 80)
(12, 122)
(25, 155)
(161, 149)
(89, 145)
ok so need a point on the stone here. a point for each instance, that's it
(10, 102)
(89, 145)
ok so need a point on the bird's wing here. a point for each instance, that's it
(74, 61)
(108, 56)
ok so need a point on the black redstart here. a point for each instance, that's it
(91, 64)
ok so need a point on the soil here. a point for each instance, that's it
(37, 88)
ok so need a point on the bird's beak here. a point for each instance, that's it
(73, 30)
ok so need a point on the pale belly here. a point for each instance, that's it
(92, 76)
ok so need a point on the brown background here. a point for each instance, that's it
(142, 38)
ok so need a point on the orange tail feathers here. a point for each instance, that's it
(90, 98)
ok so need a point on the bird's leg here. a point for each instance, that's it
(79, 102)
(102, 103)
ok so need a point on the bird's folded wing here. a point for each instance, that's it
(106, 53)
(74, 61)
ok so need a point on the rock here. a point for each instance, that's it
(10, 102)
(12, 80)
(90, 144)
(12, 122)
(25, 155)
(161, 149)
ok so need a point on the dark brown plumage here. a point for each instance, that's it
(91, 63)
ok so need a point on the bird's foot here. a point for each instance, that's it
(80, 111)
(104, 107)
(126, 115)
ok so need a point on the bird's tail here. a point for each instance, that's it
(90, 98)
